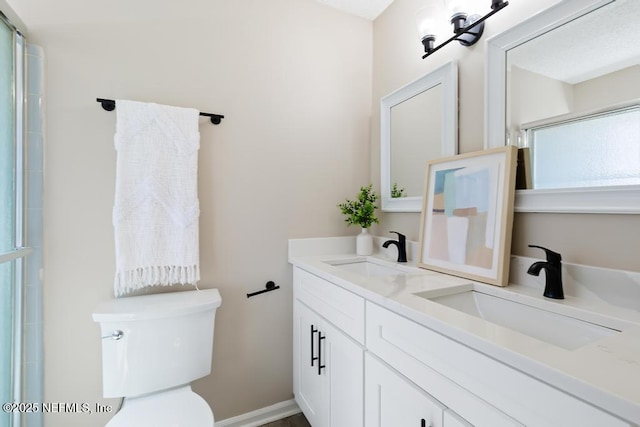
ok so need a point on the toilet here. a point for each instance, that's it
(153, 347)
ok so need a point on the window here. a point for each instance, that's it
(596, 150)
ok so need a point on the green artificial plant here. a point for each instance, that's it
(397, 192)
(362, 210)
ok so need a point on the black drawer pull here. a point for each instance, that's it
(320, 365)
(313, 357)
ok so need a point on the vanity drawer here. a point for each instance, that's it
(470, 383)
(339, 306)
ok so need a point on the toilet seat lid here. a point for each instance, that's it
(179, 407)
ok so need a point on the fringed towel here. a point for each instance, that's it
(156, 208)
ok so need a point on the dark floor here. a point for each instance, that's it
(297, 420)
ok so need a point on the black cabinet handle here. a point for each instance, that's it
(423, 423)
(313, 331)
(320, 365)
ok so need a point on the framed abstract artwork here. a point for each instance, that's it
(467, 215)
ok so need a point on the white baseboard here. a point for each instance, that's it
(262, 416)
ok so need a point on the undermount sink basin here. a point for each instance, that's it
(366, 268)
(554, 328)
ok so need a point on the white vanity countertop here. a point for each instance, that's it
(605, 373)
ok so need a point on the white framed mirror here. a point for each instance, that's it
(418, 122)
(576, 61)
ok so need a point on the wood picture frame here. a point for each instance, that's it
(467, 215)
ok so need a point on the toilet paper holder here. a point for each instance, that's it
(270, 286)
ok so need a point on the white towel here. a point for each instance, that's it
(156, 210)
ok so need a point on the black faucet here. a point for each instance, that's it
(553, 267)
(401, 244)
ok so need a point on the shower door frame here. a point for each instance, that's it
(19, 252)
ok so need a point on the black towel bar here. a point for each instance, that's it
(110, 105)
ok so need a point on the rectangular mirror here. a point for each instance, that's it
(565, 84)
(418, 122)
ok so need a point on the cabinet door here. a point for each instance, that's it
(343, 362)
(310, 389)
(392, 401)
(328, 372)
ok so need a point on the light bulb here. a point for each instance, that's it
(430, 21)
(453, 6)
(425, 22)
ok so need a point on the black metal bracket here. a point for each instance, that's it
(110, 105)
(107, 104)
(270, 286)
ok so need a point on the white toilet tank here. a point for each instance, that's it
(155, 342)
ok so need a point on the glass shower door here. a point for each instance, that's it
(8, 215)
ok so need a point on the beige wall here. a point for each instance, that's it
(532, 96)
(292, 77)
(612, 88)
(602, 240)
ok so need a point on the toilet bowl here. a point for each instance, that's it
(153, 347)
(176, 407)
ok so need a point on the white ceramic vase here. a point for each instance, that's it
(364, 243)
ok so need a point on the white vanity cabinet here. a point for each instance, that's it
(357, 363)
(328, 363)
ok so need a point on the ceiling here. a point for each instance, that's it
(603, 41)
(369, 9)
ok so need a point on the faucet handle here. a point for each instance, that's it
(401, 236)
(552, 257)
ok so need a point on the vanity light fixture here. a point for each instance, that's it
(467, 27)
